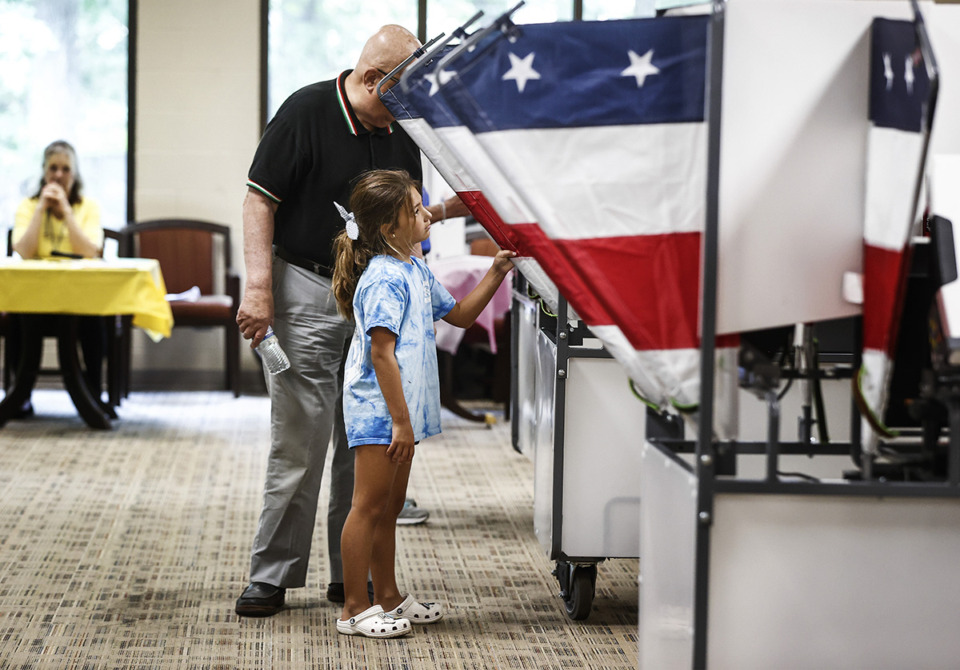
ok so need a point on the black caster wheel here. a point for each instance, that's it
(577, 587)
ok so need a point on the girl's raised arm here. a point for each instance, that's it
(465, 312)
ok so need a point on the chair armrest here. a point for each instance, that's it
(233, 287)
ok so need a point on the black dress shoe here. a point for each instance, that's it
(260, 599)
(25, 411)
(335, 593)
(107, 409)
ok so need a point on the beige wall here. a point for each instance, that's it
(197, 126)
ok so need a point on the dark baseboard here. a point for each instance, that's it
(251, 381)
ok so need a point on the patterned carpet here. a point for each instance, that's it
(127, 549)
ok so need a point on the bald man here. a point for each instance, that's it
(322, 138)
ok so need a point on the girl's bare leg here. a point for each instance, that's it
(384, 558)
(374, 477)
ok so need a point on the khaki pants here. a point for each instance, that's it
(306, 407)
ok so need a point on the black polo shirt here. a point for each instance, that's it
(311, 154)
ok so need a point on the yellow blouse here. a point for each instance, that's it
(54, 233)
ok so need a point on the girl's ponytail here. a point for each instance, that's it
(352, 258)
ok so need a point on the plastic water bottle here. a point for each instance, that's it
(271, 354)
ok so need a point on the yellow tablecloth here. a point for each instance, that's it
(89, 286)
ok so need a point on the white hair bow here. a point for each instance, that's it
(353, 230)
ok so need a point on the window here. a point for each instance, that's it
(64, 65)
(314, 40)
(446, 16)
(602, 10)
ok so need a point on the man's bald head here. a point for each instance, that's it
(387, 48)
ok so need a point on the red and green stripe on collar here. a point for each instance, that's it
(352, 123)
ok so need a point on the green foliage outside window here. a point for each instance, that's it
(63, 75)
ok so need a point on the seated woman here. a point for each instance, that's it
(58, 220)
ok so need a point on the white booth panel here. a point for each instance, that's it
(526, 376)
(668, 528)
(603, 427)
(754, 419)
(837, 401)
(793, 157)
(834, 582)
(945, 200)
(943, 24)
(543, 489)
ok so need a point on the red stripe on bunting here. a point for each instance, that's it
(884, 285)
(487, 217)
(527, 239)
(629, 268)
(649, 283)
(569, 279)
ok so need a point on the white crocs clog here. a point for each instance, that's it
(418, 613)
(374, 622)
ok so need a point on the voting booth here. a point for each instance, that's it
(723, 209)
(772, 551)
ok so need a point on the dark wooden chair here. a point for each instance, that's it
(195, 253)
(115, 332)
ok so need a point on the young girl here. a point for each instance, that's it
(391, 397)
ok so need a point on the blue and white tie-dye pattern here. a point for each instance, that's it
(406, 299)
